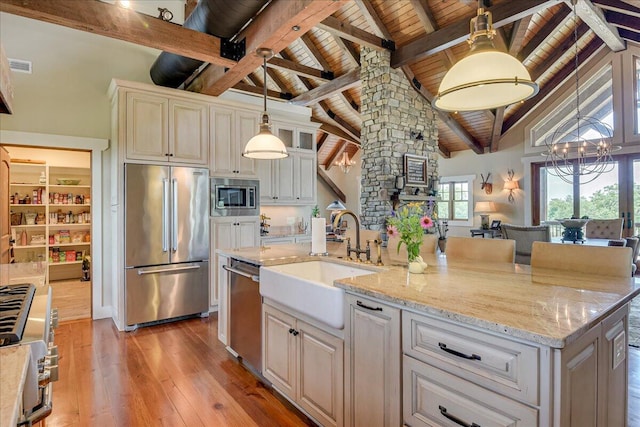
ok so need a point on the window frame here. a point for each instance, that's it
(469, 180)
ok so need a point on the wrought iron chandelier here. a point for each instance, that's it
(580, 148)
(345, 163)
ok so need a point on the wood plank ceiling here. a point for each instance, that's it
(318, 52)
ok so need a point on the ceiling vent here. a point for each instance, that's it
(20, 66)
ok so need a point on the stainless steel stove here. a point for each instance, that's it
(26, 318)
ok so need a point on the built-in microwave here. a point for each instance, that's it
(235, 197)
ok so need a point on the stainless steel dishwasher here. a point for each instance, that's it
(245, 312)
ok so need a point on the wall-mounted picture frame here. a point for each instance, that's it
(415, 170)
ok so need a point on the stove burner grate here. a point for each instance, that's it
(15, 302)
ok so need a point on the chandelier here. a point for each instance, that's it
(486, 78)
(345, 163)
(580, 148)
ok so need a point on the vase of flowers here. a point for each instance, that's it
(410, 223)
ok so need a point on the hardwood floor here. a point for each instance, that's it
(177, 374)
(72, 298)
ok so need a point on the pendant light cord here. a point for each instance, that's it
(575, 36)
(264, 83)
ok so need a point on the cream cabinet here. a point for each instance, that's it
(300, 138)
(289, 181)
(305, 363)
(229, 232)
(222, 280)
(162, 129)
(230, 131)
(372, 363)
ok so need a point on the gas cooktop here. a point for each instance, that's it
(15, 303)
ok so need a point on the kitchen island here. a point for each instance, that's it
(516, 345)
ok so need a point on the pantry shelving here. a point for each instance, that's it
(50, 209)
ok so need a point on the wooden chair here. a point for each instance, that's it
(487, 250)
(604, 228)
(524, 237)
(428, 248)
(612, 261)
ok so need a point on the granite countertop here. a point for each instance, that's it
(14, 361)
(549, 307)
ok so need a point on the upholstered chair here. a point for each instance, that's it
(604, 229)
(524, 237)
(612, 261)
(634, 244)
(486, 250)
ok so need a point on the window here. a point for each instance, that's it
(455, 199)
(636, 81)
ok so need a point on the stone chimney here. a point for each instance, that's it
(393, 117)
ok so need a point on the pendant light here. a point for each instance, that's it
(579, 150)
(265, 145)
(486, 78)
(345, 163)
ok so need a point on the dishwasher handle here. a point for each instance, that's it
(253, 277)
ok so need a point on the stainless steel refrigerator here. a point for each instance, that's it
(166, 242)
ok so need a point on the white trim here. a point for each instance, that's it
(96, 146)
(460, 178)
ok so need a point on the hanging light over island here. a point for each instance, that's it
(486, 78)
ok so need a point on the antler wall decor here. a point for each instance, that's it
(486, 186)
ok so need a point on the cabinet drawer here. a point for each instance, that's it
(432, 397)
(502, 365)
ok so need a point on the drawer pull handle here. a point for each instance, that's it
(359, 304)
(455, 419)
(457, 353)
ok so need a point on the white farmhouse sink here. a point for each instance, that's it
(308, 288)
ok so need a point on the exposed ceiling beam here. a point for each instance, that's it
(354, 34)
(282, 85)
(422, 9)
(189, 5)
(340, 122)
(337, 132)
(549, 28)
(254, 79)
(446, 118)
(351, 53)
(619, 6)
(552, 84)
(299, 69)
(621, 20)
(370, 14)
(595, 19)
(566, 45)
(429, 44)
(123, 24)
(344, 82)
(321, 139)
(327, 180)
(272, 28)
(244, 87)
(630, 35)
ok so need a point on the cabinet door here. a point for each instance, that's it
(189, 137)
(285, 179)
(266, 173)
(614, 366)
(279, 353)
(221, 286)
(321, 378)
(247, 127)
(305, 178)
(372, 355)
(579, 381)
(147, 127)
(224, 233)
(248, 234)
(222, 162)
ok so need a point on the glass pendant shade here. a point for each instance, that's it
(483, 80)
(486, 78)
(265, 145)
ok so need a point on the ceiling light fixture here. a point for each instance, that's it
(265, 145)
(580, 148)
(125, 3)
(486, 78)
(345, 163)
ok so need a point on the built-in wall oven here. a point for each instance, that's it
(235, 197)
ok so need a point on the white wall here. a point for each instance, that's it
(348, 183)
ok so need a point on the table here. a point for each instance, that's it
(491, 232)
(587, 242)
